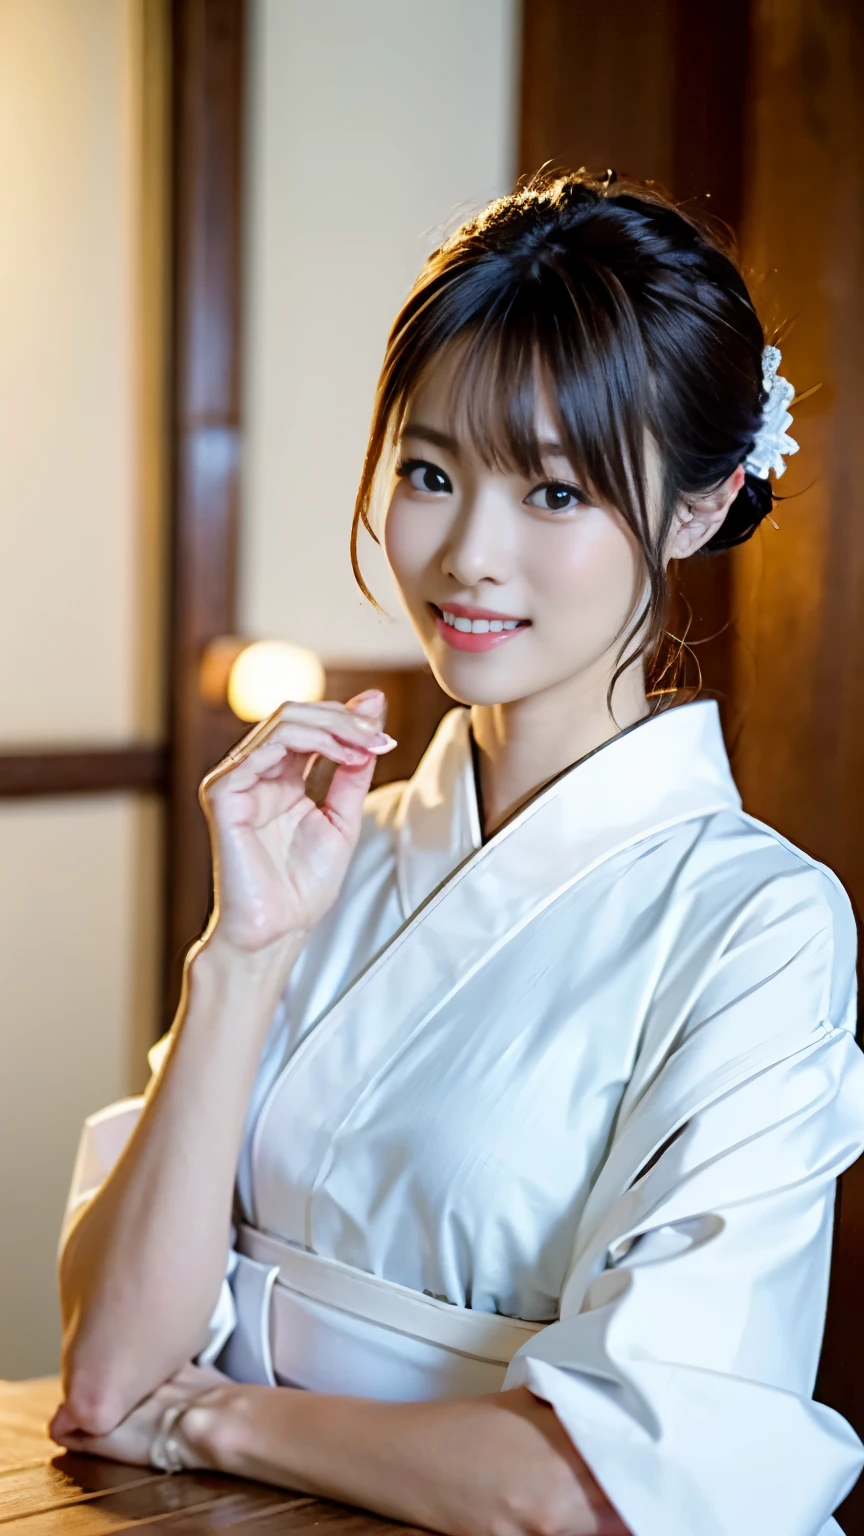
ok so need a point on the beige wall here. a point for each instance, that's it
(79, 568)
(72, 898)
(372, 127)
(68, 597)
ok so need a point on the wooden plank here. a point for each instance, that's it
(25, 774)
(25, 1409)
(279, 1517)
(67, 1478)
(157, 1501)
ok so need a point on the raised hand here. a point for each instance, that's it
(279, 859)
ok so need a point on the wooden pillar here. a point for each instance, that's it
(208, 67)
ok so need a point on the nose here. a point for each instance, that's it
(479, 544)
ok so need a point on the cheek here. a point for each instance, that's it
(589, 575)
(408, 539)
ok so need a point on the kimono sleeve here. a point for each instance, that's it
(690, 1323)
(103, 1137)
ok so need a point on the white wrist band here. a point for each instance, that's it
(164, 1450)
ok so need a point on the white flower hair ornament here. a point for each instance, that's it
(772, 440)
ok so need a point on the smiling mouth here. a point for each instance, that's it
(480, 634)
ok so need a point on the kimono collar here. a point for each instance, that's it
(669, 768)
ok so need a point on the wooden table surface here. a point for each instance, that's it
(47, 1491)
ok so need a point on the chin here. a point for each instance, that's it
(478, 679)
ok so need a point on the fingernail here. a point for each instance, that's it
(386, 744)
(368, 703)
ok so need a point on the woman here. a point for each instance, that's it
(516, 1093)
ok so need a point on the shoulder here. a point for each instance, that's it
(762, 871)
(758, 961)
(756, 917)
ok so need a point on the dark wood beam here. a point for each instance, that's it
(92, 770)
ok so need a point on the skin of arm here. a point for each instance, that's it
(494, 1465)
(143, 1261)
(497, 1465)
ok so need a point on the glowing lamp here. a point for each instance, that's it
(267, 672)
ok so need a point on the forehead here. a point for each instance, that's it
(451, 397)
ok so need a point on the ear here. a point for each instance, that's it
(697, 520)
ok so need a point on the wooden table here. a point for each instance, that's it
(47, 1491)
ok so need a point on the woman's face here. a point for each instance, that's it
(547, 579)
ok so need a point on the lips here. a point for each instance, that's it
(462, 640)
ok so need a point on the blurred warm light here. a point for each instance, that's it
(267, 673)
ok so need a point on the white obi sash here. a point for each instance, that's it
(301, 1318)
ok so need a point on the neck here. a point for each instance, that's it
(524, 743)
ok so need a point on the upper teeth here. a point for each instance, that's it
(478, 626)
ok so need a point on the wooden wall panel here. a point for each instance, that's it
(658, 91)
(655, 88)
(799, 593)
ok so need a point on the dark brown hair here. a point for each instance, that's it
(634, 314)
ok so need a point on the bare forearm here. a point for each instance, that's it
(142, 1265)
(499, 1465)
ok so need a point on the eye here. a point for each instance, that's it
(424, 476)
(557, 496)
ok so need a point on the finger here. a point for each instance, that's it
(289, 755)
(345, 797)
(354, 730)
(327, 713)
(347, 725)
(275, 757)
(62, 1423)
(340, 724)
(72, 1439)
(371, 704)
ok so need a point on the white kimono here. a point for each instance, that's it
(597, 1074)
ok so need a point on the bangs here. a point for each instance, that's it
(567, 345)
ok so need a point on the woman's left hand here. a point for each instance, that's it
(132, 1438)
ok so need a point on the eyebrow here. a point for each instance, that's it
(450, 445)
(431, 435)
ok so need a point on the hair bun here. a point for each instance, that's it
(750, 507)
